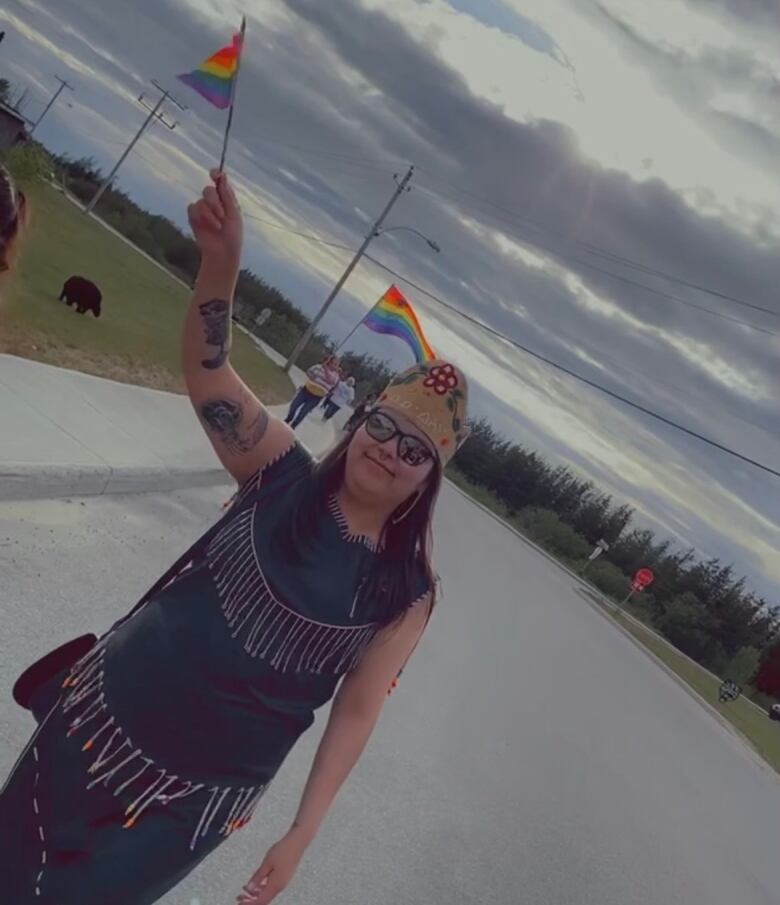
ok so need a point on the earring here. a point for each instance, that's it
(397, 519)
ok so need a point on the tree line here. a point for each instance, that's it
(700, 605)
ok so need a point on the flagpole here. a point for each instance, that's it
(233, 97)
(354, 330)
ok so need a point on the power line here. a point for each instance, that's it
(552, 251)
(367, 162)
(537, 244)
(520, 220)
(155, 112)
(382, 164)
(667, 295)
(52, 100)
(248, 216)
(628, 262)
(575, 375)
(518, 345)
(295, 232)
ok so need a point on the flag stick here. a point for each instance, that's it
(354, 330)
(232, 98)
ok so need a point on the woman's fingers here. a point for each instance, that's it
(258, 890)
(259, 897)
(202, 216)
(212, 199)
(227, 194)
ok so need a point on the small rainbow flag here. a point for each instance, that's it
(394, 315)
(215, 78)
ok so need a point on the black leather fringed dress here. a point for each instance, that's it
(167, 733)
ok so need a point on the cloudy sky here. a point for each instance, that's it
(584, 165)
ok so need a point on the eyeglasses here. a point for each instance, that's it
(411, 450)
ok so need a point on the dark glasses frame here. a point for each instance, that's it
(406, 442)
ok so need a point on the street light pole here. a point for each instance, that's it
(57, 93)
(381, 232)
(154, 113)
(401, 187)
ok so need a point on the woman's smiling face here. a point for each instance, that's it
(374, 468)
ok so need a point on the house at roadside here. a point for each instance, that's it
(13, 128)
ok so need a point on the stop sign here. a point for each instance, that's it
(642, 579)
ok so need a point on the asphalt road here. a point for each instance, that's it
(532, 754)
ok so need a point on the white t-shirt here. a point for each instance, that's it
(344, 394)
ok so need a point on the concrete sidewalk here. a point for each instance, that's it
(64, 433)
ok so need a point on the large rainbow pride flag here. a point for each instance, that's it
(215, 78)
(393, 315)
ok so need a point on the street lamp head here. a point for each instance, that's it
(434, 246)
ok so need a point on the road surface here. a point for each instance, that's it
(532, 754)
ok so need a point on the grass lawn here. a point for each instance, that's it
(762, 733)
(136, 339)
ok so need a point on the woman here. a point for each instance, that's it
(317, 582)
(13, 217)
(343, 394)
(322, 380)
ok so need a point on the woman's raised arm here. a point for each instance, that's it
(243, 433)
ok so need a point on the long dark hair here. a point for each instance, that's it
(13, 217)
(403, 554)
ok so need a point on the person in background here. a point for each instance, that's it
(322, 378)
(365, 404)
(342, 394)
(327, 396)
(13, 218)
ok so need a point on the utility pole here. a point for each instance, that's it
(57, 93)
(401, 187)
(154, 113)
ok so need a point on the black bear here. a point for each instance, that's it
(83, 294)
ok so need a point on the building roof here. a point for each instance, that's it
(5, 110)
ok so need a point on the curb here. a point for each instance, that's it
(36, 482)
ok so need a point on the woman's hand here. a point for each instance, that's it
(276, 871)
(216, 223)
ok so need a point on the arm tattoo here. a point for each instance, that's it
(216, 322)
(223, 418)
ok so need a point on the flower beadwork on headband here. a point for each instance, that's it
(442, 378)
(434, 396)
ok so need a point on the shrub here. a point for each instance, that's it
(28, 163)
(544, 527)
(609, 579)
(743, 665)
